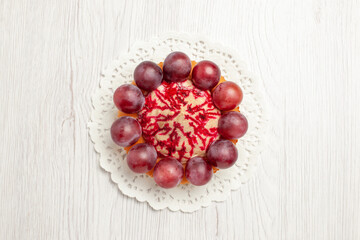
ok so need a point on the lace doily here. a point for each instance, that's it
(187, 197)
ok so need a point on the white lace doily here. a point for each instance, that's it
(187, 197)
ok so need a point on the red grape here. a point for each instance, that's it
(232, 125)
(125, 131)
(198, 171)
(168, 172)
(148, 76)
(129, 98)
(227, 96)
(206, 75)
(222, 154)
(177, 67)
(141, 158)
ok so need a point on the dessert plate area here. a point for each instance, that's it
(185, 197)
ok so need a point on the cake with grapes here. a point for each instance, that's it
(179, 121)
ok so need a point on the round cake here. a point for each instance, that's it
(179, 120)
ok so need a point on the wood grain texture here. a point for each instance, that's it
(307, 54)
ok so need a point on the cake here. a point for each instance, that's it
(179, 120)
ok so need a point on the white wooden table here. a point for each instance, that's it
(307, 54)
